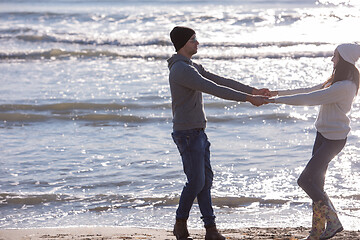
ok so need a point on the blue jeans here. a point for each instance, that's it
(312, 179)
(194, 149)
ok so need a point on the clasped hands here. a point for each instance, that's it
(261, 96)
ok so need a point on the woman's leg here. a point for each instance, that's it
(312, 179)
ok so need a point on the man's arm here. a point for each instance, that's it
(191, 78)
(232, 83)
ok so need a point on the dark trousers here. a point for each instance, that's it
(194, 149)
(312, 179)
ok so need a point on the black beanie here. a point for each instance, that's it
(180, 35)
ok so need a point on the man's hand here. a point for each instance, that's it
(263, 92)
(256, 101)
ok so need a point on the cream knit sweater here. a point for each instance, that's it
(335, 100)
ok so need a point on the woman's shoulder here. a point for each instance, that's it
(345, 84)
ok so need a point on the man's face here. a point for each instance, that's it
(191, 45)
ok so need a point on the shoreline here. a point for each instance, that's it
(98, 232)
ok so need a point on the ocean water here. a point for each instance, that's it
(85, 111)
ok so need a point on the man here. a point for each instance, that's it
(187, 82)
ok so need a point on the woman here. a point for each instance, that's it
(335, 96)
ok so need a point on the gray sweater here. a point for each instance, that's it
(187, 82)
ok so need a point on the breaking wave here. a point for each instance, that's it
(89, 53)
(103, 202)
(107, 202)
(112, 112)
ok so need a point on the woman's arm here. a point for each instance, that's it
(334, 93)
(299, 90)
(296, 91)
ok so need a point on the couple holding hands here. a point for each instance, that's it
(188, 80)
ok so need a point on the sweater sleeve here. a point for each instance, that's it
(299, 90)
(335, 93)
(193, 80)
(224, 81)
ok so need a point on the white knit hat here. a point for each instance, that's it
(349, 52)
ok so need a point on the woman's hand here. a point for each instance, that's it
(273, 93)
(269, 100)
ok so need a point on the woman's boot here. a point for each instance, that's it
(333, 224)
(318, 221)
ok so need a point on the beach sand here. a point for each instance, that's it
(92, 233)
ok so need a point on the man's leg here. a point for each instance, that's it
(204, 197)
(191, 145)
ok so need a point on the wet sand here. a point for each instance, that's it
(104, 233)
